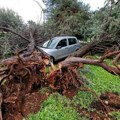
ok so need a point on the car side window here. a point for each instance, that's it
(62, 43)
(72, 41)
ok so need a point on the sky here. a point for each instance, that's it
(30, 10)
(94, 4)
(27, 9)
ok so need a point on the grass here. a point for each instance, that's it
(58, 107)
(100, 81)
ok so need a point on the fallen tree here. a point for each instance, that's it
(113, 70)
(23, 75)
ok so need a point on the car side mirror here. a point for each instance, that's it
(58, 47)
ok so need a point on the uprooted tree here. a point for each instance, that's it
(21, 76)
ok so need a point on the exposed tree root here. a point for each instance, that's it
(21, 79)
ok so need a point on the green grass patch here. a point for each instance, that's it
(116, 115)
(102, 81)
(56, 107)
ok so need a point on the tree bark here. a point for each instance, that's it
(74, 60)
(7, 29)
(0, 106)
(98, 46)
(82, 51)
(31, 45)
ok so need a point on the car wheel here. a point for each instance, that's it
(51, 59)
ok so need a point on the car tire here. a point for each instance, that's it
(51, 59)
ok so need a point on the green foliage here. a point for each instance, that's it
(67, 17)
(4, 46)
(105, 21)
(8, 18)
(71, 17)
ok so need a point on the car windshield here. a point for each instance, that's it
(50, 43)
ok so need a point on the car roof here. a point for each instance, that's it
(62, 37)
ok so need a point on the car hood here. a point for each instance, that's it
(48, 51)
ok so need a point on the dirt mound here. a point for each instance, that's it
(29, 104)
(111, 101)
(19, 87)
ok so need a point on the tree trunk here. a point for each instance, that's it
(0, 106)
(82, 51)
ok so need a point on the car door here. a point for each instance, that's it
(72, 45)
(62, 49)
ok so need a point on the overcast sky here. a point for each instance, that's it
(29, 10)
(95, 4)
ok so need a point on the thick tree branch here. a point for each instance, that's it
(108, 55)
(84, 50)
(31, 45)
(7, 29)
(74, 60)
(31, 39)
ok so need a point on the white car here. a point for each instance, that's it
(60, 47)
